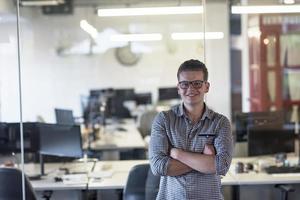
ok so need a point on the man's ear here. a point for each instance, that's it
(207, 85)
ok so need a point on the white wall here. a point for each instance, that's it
(9, 90)
(51, 81)
(217, 61)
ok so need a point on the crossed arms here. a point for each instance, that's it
(182, 162)
(168, 161)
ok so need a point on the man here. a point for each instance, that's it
(191, 145)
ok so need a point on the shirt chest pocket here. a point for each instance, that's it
(201, 140)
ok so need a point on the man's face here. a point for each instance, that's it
(192, 87)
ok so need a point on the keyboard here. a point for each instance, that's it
(282, 169)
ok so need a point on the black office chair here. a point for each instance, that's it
(141, 184)
(285, 189)
(11, 185)
(145, 122)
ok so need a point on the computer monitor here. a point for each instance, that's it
(117, 108)
(168, 93)
(243, 120)
(10, 138)
(60, 140)
(98, 99)
(267, 139)
(64, 116)
(143, 98)
(3, 136)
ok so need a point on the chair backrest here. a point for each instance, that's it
(141, 184)
(11, 185)
(145, 122)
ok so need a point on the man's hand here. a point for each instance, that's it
(174, 153)
(209, 149)
(176, 167)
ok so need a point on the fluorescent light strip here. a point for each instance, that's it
(179, 10)
(88, 28)
(288, 1)
(197, 36)
(265, 9)
(136, 37)
(42, 3)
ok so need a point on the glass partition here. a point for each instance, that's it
(84, 68)
(10, 137)
(9, 88)
(269, 46)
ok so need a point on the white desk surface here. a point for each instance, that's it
(255, 178)
(118, 172)
(52, 170)
(114, 139)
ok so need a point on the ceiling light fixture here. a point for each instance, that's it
(42, 2)
(197, 36)
(179, 10)
(136, 37)
(289, 1)
(265, 9)
(88, 28)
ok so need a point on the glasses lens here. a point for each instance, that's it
(197, 84)
(184, 84)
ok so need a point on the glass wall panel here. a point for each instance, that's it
(269, 42)
(94, 76)
(10, 136)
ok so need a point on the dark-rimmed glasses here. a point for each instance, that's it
(197, 84)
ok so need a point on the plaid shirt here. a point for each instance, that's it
(172, 128)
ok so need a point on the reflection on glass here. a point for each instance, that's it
(270, 41)
(290, 48)
(272, 88)
(294, 89)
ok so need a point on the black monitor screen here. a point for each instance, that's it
(168, 93)
(64, 116)
(143, 98)
(264, 140)
(243, 120)
(10, 137)
(60, 140)
(117, 105)
(4, 139)
(98, 99)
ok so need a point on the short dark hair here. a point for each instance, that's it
(193, 65)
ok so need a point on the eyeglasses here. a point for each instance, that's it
(197, 84)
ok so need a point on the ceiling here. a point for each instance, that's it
(137, 3)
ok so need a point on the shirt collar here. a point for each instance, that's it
(207, 113)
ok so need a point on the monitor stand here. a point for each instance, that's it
(42, 165)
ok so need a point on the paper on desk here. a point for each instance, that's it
(71, 179)
(101, 174)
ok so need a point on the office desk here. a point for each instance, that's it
(260, 185)
(260, 178)
(52, 170)
(117, 173)
(120, 171)
(113, 138)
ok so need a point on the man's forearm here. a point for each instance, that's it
(199, 162)
(176, 168)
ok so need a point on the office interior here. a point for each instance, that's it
(79, 90)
